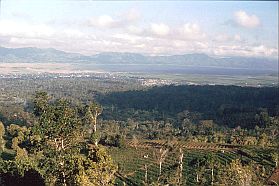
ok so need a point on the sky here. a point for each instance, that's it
(217, 28)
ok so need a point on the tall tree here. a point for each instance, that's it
(2, 133)
(93, 110)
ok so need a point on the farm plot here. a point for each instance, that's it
(140, 165)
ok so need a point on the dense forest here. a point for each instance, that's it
(230, 106)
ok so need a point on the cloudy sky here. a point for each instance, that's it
(150, 27)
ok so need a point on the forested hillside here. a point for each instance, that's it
(227, 105)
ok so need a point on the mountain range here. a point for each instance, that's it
(32, 55)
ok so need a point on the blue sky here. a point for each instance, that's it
(220, 28)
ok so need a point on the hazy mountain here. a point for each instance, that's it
(197, 60)
(114, 57)
(31, 54)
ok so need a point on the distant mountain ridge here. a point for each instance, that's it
(30, 55)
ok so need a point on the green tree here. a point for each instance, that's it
(57, 147)
(61, 130)
(263, 118)
(275, 158)
(2, 133)
(93, 110)
(263, 140)
(237, 174)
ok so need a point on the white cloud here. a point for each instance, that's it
(237, 37)
(122, 20)
(186, 32)
(191, 31)
(225, 38)
(222, 38)
(134, 30)
(25, 31)
(104, 21)
(191, 28)
(158, 39)
(23, 34)
(245, 20)
(263, 50)
(127, 37)
(160, 29)
(28, 42)
(73, 33)
(21, 29)
(202, 45)
(245, 50)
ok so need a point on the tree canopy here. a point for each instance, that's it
(56, 147)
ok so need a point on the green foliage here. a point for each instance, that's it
(131, 163)
(104, 170)
(115, 140)
(238, 174)
(41, 103)
(2, 129)
(2, 133)
(275, 158)
(120, 141)
(56, 147)
(95, 137)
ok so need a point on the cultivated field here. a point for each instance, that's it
(133, 161)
